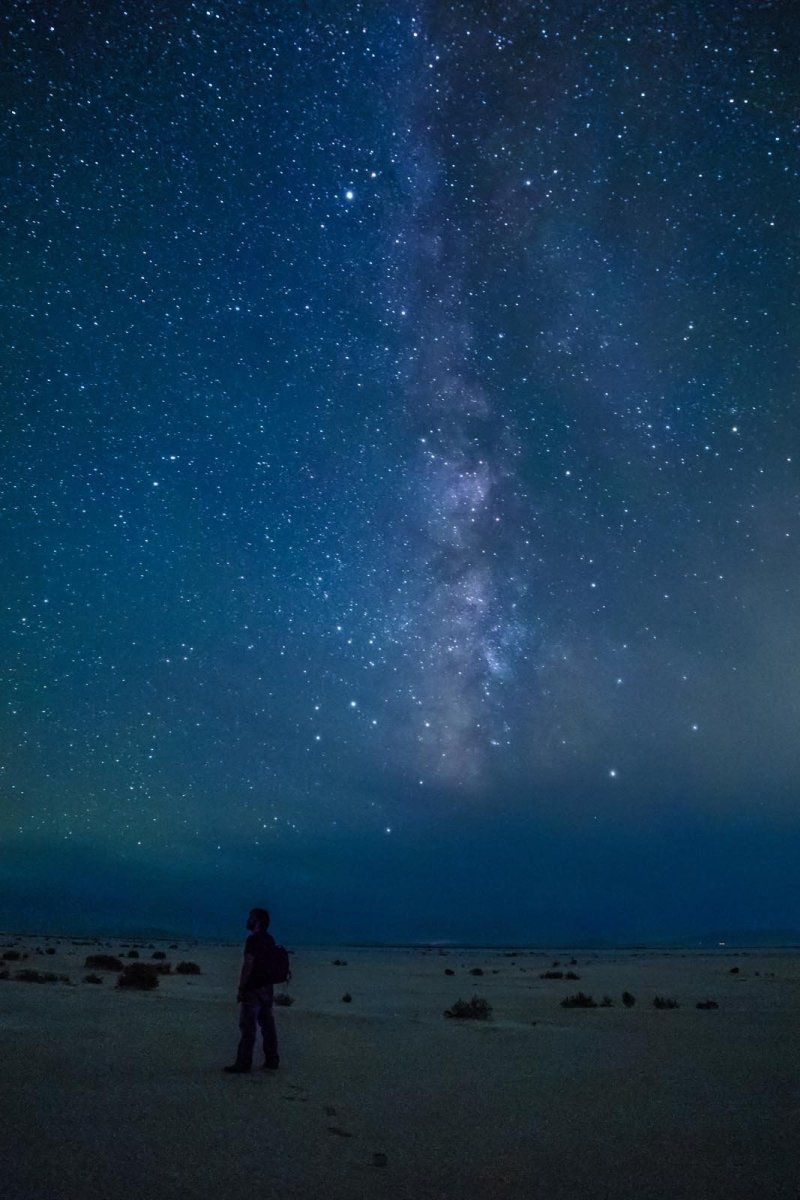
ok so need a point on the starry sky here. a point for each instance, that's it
(400, 478)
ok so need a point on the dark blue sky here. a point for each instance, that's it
(400, 471)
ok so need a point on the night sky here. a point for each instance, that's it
(401, 473)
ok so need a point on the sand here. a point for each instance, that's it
(117, 1094)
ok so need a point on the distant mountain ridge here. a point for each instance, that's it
(745, 937)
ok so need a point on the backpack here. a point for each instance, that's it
(278, 967)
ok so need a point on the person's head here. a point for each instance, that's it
(258, 920)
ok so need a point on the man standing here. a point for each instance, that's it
(255, 996)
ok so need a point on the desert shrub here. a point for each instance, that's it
(556, 963)
(339, 962)
(706, 1004)
(734, 971)
(11, 956)
(138, 975)
(159, 954)
(133, 954)
(606, 1002)
(187, 968)
(552, 975)
(475, 1009)
(283, 999)
(579, 1000)
(163, 968)
(449, 971)
(92, 979)
(476, 971)
(628, 1000)
(347, 998)
(573, 962)
(103, 962)
(29, 975)
(665, 1002)
(571, 975)
(50, 950)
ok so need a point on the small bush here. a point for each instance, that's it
(449, 971)
(158, 954)
(50, 950)
(187, 968)
(628, 1000)
(606, 1002)
(476, 971)
(283, 999)
(552, 975)
(138, 975)
(571, 975)
(734, 971)
(11, 956)
(579, 1000)
(347, 998)
(133, 954)
(706, 1004)
(665, 1002)
(92, 979)
(339, 962)
(103, 962)
(475, 1009)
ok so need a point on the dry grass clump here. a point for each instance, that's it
(29, 975)
(552, 975)
(347, 998)
(283, 999)
(11, 956)
(449, 971)
(103, 962)
(579, 1000)
(628, 1000)
(92, 979)
(339, 962)
(139, 975)
(158, 954)
(706, 1004)
(665, 1002)
(475, 1009)
(571, 975)
(476, 971)
(187, 968)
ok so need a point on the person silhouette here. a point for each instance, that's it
(255, 997)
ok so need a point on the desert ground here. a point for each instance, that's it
(119, 1093)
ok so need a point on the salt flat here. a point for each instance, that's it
(119, 1094)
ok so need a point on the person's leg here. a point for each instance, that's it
(247, 1026)
(269, 1034)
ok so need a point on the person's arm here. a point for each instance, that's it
(247, 967)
